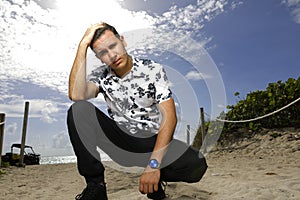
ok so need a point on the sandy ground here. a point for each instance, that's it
(263, 167)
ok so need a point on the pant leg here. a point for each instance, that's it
(189, 167)
(88, 159)
(89, 129)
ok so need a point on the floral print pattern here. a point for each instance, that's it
(132, 100)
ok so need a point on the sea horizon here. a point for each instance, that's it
(46, 160)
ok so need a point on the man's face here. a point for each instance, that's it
(111, 50)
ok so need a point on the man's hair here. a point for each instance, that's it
(101, 30)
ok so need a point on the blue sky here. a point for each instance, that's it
(257, 44)
(210, 49)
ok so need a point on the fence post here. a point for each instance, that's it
(188, 133)
(2, 123)
(21, 164)
(203, 128)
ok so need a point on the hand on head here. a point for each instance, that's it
(89, 34)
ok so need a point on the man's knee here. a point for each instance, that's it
(197, 166)
(199, 169)
(80, 110)
(79, 114)
(81, 105)
(78, 106)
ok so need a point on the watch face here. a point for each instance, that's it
(154, 164)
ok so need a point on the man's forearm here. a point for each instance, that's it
(166, 130)
(164, 137)
(77, 79)
(79, 88)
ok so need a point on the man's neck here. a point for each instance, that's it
(122, 72)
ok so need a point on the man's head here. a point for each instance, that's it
(101, 30)
(109, 47)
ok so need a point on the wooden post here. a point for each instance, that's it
(2, 123)
(202, 128)
(21, 164)
(188, 133)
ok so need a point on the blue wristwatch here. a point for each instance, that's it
(154, 164)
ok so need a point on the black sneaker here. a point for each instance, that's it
(159, 194)
(93, 191)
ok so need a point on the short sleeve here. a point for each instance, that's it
(96, 75)
(162, 86)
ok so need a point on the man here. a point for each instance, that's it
(136, 92)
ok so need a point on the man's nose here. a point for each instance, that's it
(112, 55)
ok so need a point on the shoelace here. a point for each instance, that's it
(78, 196)
(164, 185)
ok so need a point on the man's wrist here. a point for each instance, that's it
(154, 164)
(83, 44)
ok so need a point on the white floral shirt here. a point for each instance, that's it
(132, 100)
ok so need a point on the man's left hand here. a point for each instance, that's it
(149, 180)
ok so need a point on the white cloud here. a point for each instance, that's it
(291, 3)
(61, 140)
(45, 110)
(191, 19)
(11, 129)
(46, 4)
(194, 75)
(294, 7)
(13, 107)
(39, 45)
(296, 14)
(236, 4)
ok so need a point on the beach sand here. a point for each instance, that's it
(262, 167)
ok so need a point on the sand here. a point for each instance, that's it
(262, 167)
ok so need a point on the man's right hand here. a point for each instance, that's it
(79, 88)
(89, 34)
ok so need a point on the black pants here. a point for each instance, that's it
(91, 130)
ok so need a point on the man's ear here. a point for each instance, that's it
(123, 40)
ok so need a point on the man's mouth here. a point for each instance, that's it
(117, 61)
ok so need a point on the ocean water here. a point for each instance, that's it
(65, 159)
(57, 159)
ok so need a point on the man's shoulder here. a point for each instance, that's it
(99, 72)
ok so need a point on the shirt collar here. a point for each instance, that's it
(129, 75)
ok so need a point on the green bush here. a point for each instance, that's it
(259, 103)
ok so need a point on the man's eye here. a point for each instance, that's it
(101, 53)
(113, 45)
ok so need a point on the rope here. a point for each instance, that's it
(261, 117)
(2, 123)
